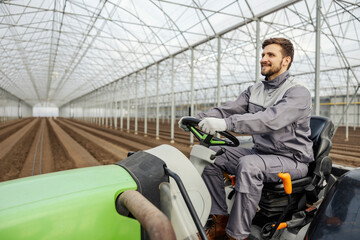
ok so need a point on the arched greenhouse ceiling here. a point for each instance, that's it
(57, 51)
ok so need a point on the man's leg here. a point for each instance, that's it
(214, 178)
(252, 171)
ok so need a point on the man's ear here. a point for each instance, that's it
(286, 61)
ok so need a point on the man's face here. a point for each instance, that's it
(272, 62)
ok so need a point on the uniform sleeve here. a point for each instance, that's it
(295, 104)
(239, 106)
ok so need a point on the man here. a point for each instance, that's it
(277, 113)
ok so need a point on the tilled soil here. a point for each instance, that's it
(93, 145)
(98, 152)
(62, 159)
(8, 130)
(12, 163)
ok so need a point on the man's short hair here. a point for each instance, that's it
(285, 44)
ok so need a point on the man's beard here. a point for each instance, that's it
(273, 70)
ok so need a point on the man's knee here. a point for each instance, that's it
(212, 169)
(250, 163)
(249, 175)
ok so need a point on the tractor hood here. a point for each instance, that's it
(72, 204)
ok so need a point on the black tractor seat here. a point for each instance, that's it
(307, 189)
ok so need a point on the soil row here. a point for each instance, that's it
(33, 146)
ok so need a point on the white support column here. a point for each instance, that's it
(91, 109)
(110, 109)
(172, 101)
(146, 105)
(136, 103)
(335, 100)
(97, 104)
(317, 58)
(102, 109)
(105, 108)
(115, 112)
(95, 108)
(128, 106)
(84, 108)
(157, 102)
(192, 91)
(356, 111)
(257, 54)
(219, 71)
(347, 102)
(19, 109)
(122, 93)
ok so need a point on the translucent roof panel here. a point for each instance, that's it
(57, 51)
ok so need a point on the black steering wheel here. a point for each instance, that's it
(208, 140)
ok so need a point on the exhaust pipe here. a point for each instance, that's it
(155, 223)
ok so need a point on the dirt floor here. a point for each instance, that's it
(39, 145)
(34, 146)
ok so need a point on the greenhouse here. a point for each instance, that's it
(180, 119)
(164, 59)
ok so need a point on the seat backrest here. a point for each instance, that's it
(322, 131)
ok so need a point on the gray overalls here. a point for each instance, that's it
(277, 114)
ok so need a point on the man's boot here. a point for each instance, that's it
(217, 228)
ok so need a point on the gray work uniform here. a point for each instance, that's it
(277, 114)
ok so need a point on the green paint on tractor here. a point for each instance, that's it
(72, 204)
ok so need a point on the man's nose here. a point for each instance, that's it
(263, 59)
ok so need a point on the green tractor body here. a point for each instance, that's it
(72, 204)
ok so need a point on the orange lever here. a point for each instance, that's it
(281, 225)
(229, 177)
(233, 180)
(286, 179)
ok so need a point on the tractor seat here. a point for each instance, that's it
(305, 190)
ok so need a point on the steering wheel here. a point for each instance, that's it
(208, 140)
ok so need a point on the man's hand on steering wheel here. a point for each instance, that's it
(212, 125)
(182, 125)
(207, 139)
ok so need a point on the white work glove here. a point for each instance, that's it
(181, 125)
(212, 125)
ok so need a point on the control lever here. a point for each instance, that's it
(218, 153)
(269, 229)
(286, 179)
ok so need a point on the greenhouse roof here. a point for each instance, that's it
(53, 52)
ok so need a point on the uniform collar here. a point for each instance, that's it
(276, 82)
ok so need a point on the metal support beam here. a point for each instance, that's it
(192, 91)
(218, 72)
(257, 54)
(106, 105)
(128, 106)
(136, 103)
(122, 93)
(157, 101)
(145, 105)
(110, 108)
(115, 106)
(347, 102)
(97, 120)
(172, 101)
(317, 58)
(346, 108)
(335, 100)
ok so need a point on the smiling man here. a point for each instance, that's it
(276, 112)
